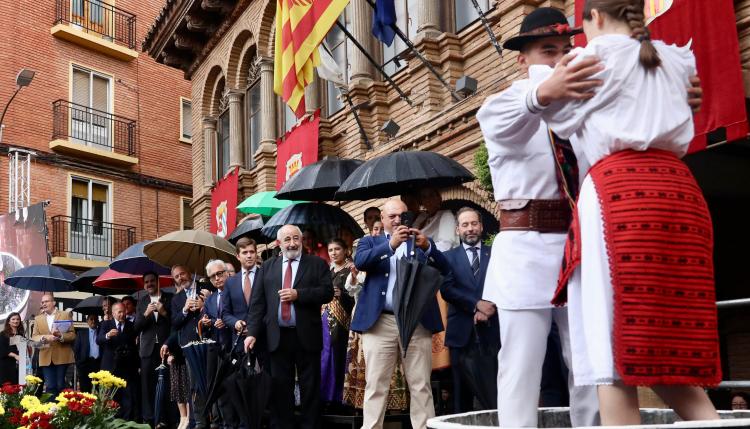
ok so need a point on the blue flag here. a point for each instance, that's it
(385, 15)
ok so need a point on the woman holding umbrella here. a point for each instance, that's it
(336, 318)
(9, 352)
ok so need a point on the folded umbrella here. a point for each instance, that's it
(249, 228)
(263, 203)
(161, 392)
(227, 365)
(42, 278)
(90, 305)
(476, 365)
(196, 356)
(133, 261)
(401, 172)
(325, 220)
(416, 284)
(318, 181)
(253, 385)
(190, 248)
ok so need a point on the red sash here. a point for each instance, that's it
(659, 242)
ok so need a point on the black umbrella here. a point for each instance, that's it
(249, 228)
(227, 364)
(133, 261)
(252, 387)
(476, 366)
(416, 284)
(41, 278)
(402, 172)
(325, 220)
(142, 292)
(90, 305)
(319, 181)
(161, 391)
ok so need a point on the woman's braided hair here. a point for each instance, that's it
(630, 11)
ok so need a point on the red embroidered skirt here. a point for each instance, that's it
(659, 241)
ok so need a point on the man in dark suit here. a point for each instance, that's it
(239, 288)
(86, 350)
(224, 413)
(117, 342)
(288, 293)
(375, 319)
(152, 325)
(469, 318)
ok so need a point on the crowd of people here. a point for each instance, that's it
(320, 317)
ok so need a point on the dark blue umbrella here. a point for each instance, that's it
(323, 219)
(42, 278)
(196, 357)
(161, 391)
(133, 261)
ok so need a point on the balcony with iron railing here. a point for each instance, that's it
(82, 131)
(97, 25)
(85, 243)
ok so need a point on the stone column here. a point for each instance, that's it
(209, 148)
(428, 17)
(361, 21)
(235, 129)
(267, 102)
(312, 94)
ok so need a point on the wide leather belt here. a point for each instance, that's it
(535, 215)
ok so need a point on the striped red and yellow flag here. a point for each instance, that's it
(655, 8)
(301, 26)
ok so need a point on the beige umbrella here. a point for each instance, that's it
(191, 248)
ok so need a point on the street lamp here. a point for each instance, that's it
(23, 79)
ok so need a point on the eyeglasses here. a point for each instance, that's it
(217, 274)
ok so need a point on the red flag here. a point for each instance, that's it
(298, 148)
(224, 204)
(712, 28)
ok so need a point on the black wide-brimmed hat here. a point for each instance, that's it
(543, 22)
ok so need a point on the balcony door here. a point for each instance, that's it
(90, 232)
(90, 15)
(91, 121)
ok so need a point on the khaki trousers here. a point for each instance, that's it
(381, 345)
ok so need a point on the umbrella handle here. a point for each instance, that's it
(413, 239)
(200, 330)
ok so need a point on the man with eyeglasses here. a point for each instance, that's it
(219, 332)
(54, 359)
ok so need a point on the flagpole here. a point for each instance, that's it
(419, 55)
(487, 28)
(345, 93)
(374, 63)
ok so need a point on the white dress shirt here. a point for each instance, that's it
(50, 321)
(523, 269)
(292, 322)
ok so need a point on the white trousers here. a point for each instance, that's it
(523, 334)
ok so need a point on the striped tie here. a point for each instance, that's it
(474, 261)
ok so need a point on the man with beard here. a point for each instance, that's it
(152, 325)
(288, 293)
(469, 318)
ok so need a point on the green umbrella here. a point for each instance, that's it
(264, 204)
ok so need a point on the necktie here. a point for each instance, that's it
(474, 261)
(286, 306)
(119, 327)
(247, 286)
(218, 304)
(566, 167)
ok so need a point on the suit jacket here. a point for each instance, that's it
(148, 329)
(186, 326)
(222, 336)
(462, 292)
(314, 288)
(123, 341)
(235, 307)
(81, 346)
(373, 256)
(57, 353)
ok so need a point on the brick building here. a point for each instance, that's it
(225, 47)
(104, 121)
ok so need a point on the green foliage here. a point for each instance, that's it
(482, 167)
(490, 238)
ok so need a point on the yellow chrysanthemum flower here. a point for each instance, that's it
(28, 402)
(32, 380)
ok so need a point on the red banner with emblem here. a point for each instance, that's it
(711, 28)
(298, 148)
(224, 204)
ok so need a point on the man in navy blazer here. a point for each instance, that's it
(469, 318)
(116, 340)
(374, 318)
(239, 287)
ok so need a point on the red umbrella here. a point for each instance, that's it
(112, 279)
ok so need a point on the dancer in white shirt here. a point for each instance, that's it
(641, 297)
